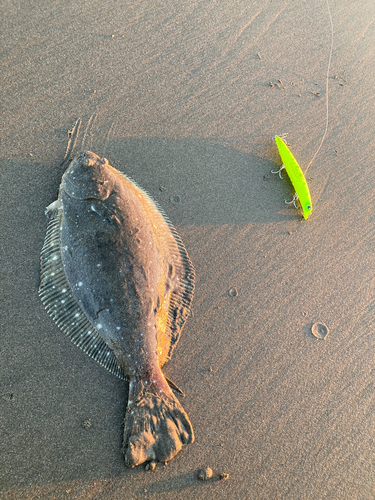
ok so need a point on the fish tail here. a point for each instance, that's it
(155, 426)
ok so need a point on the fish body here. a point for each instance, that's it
(296, 176)
(117, 279)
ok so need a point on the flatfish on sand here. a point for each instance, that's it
(116, 278)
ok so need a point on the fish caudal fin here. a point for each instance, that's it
(155, 427)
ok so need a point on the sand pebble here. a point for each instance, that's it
(204, 474)
(87, 424)
(232, 292)
(224, 476)
(320, 330)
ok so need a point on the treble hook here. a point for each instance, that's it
(278, 171)
(282, 136)
(294, 199)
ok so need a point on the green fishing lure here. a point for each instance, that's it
(296, 176)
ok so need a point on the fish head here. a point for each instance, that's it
(88, 177)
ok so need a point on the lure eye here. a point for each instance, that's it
(308, 207)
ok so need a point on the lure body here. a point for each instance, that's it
(296, 176)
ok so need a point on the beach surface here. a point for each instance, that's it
(185, 98)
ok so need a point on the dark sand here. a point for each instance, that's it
(175, 95)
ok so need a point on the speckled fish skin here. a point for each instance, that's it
(129, 284)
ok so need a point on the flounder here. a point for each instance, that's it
(117, 279)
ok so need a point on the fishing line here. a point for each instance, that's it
(328, 68)
(290, 164)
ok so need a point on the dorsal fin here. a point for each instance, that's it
(181, 298)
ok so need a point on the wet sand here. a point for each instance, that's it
(177, 96)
